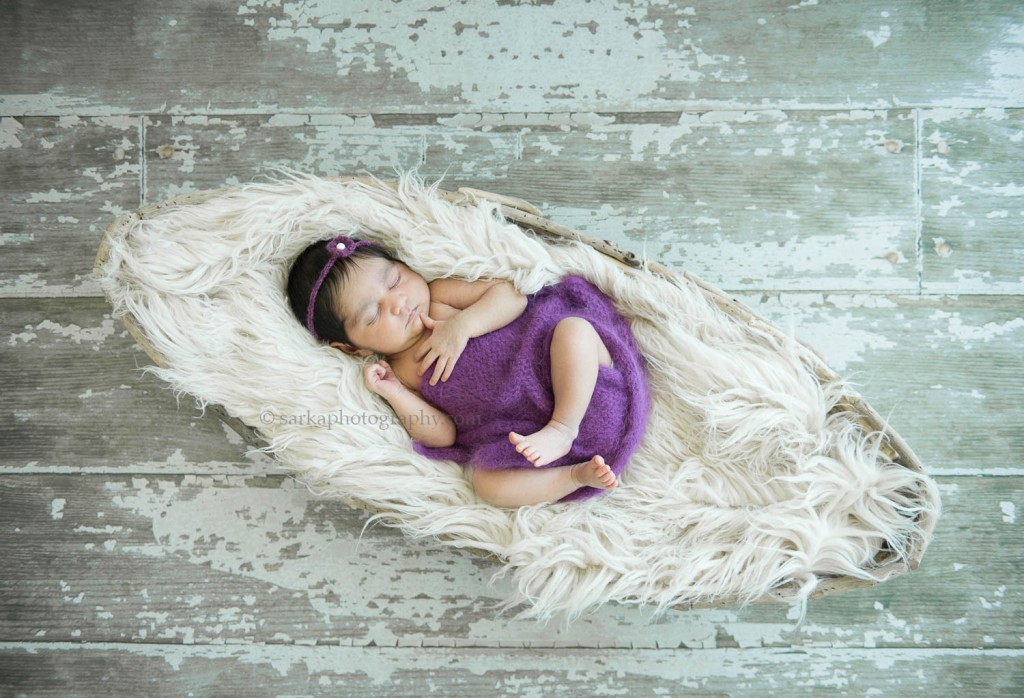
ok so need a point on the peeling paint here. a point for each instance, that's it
(340, 30)
(948, 205)
(57, 508)
(97, 529)
(9, 136)
(1009, 510)
(968, 335)
(25, 337)
(879, 37)
(595, 672)
(941, 248)
(51, 197)
(78, 334)
(1007, 65)
(320, 566)
(832, 324)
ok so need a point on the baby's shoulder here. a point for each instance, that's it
(457, 293)
(405, 369)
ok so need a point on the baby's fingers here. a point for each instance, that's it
(430, 358)
(438, 370)
(449, 365)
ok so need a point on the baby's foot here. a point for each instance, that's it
(545, 446)
(594, 473)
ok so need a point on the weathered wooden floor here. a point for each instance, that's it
(853, 171)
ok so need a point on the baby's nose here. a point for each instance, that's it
(397, 304)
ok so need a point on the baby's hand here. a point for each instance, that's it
(445, 345)
(381, 380)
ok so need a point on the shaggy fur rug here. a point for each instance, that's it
(743, 484)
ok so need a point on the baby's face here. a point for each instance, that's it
(380, 303)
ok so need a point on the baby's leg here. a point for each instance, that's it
(516, 487)
(576, 352)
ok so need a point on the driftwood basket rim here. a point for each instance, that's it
(528, 217)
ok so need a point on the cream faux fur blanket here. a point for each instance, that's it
(744, 483)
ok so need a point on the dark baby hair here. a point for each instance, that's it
(303, 275)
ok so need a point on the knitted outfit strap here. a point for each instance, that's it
(338, 248)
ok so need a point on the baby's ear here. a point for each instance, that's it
(350, 350)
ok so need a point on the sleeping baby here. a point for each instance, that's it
(545, 396)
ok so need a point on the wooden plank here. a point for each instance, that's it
(64, 179)
(76, 400)
(267, 57)
(332, 671)
(836, 233)
(186, 154)
(209, 560)
(799, 200)
(804, 200)
(947, 370)
(972, 185)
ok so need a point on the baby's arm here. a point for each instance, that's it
(481, 307)
(486, 305)
(424, 422)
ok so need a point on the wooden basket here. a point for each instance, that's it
(529, 218)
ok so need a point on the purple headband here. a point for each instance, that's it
(338, 248)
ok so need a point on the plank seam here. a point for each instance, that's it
(684, 107)
(244, 471)
(229, 648)
(936, 294)
(142, 160)
(918, 201)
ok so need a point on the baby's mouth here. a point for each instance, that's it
(412, 315)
